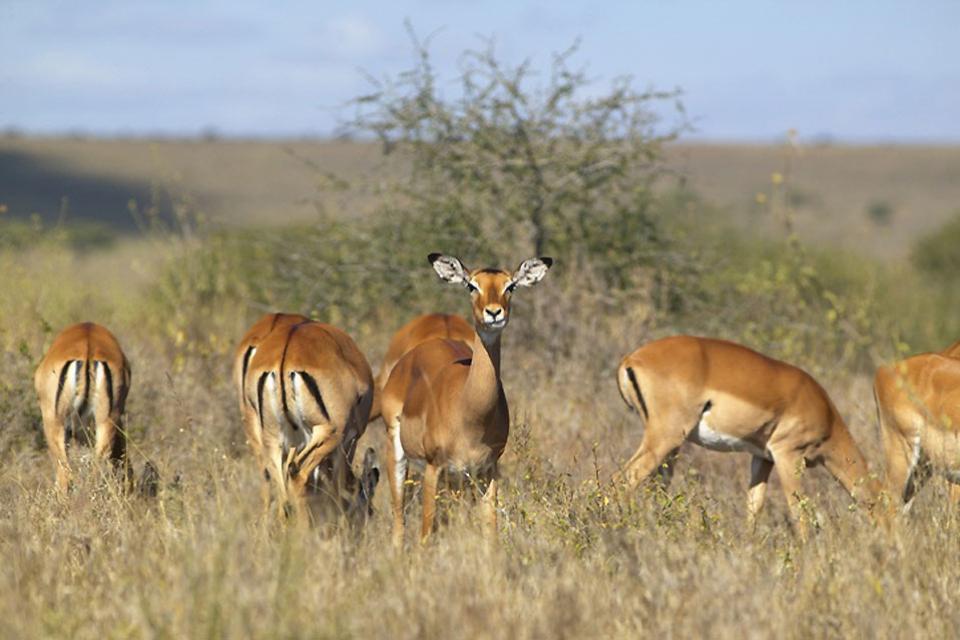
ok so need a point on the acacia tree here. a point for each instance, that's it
(557, 164)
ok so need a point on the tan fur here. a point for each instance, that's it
(444, 402)
(96, 384)
(918, 405)
(299, 434)
(776, 411)
(414, 333)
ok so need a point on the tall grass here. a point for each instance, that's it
(578, 557)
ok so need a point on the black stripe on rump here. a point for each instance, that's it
(86, 388)
(636, 388)
(246, 364)
(109, 376)
(260, 383)
(283, 388)
(314, 390)
(61, 382)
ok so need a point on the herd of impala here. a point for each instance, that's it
(307, 393)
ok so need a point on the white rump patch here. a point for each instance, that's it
(296, 385)
(71, 385)
(714, 440)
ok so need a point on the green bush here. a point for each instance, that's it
(880, 212)
(938, 253)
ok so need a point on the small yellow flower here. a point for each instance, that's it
(776, 178)
(761, 197)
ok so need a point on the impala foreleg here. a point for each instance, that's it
(397, 477)
(489, 508)
(790, 466)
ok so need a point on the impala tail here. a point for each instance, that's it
(73, 388)
(630, 390)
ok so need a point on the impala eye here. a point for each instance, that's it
(510, 287)
(472, 287)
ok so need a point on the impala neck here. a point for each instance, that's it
(482, 390)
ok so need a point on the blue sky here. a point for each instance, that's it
(854, 71)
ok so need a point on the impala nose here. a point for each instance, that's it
(493, 313)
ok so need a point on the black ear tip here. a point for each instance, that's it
(433, 257)
(547, 261)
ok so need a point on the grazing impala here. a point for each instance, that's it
(918, 405)
(444, 404)
(83, 377)
(725, 397)
(311, 390)
(414, 333)
(245, 351)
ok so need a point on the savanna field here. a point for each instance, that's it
(814, 255)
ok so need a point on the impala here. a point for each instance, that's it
(84, 377)
(726, 397)
(414, 333)
(918, 406)
(443, 402)
(310, 389)
(245, 351)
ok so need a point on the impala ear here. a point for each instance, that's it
(449, 269)
(531, 271)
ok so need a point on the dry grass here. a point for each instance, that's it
(578, 558)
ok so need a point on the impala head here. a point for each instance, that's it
(362, 506)
(490, 289)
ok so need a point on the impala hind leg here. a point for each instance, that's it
(273, 471)
(56, 436)
(254, 438)
(111, 444)
(300, 467)
(903, 457)
(760, 469)
(659, 442)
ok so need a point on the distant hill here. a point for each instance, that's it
(874, 200)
